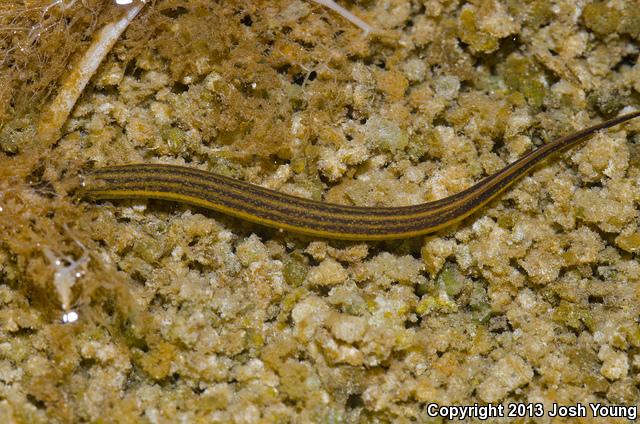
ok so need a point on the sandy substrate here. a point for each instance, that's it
(185, 315)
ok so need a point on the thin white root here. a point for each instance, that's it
(365, 27)
(52, 120)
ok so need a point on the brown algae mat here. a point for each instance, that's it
(185, 315)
